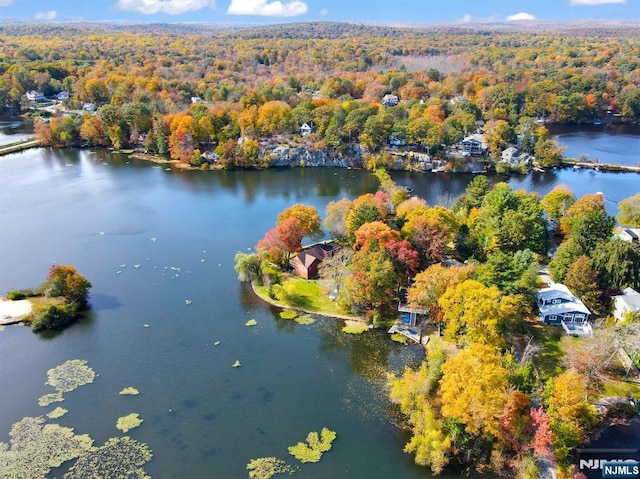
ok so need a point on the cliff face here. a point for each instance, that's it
(300, 156)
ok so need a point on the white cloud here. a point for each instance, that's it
(172, 7)
(467, 18)
(324, 12)
(520, 16)
(50, 15)
(574, 3)
(5, 3)
(265, 8)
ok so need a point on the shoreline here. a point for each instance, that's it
(272, 302)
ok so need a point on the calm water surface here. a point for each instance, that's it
(617, 144)
(202, 418)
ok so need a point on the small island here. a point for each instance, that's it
(55, 304)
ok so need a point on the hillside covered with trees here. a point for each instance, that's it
(185, 90)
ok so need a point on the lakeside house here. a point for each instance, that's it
(308, 128)
(34, 95)
(557, 305)
(63, 95)
(89, 107)
(474, 145)
(627, 302)
(306, 264)
(405, 307)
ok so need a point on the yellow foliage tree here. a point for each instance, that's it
(474, 389)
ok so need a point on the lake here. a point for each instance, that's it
(151, 239)
(616, 144)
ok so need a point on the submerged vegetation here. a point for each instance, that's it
(129, 391)
(315, 446)
(36, 448)
(70, 376)
(267, 467)
(126, 423)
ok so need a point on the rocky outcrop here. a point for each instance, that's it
(302, 157)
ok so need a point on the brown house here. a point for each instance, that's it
(306, 264)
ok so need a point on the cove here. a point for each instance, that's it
(105, 213)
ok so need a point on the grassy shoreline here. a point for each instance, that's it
(262, 293)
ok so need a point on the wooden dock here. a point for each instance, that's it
(601, 166)
(19, 146)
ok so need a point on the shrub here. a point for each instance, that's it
(53, 317)
(18, 294)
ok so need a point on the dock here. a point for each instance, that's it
(601, 166)
(413, 333)
(19, 146)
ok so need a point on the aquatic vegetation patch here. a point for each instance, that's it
(129, 391)
(267, 467)
(119, 457)
(57, 412)
(288, 314)
(35, 448)
(305, 319)
(251, 322)
(50, 398)
(354, 327)
(399, 338)
(70, 375)
(315, 447)
(236, 364)
(126, 423)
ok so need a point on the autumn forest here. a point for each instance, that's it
(186, 90)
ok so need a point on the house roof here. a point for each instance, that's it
(563, 308)
(630, 298)
(560, 291)
(556, 290)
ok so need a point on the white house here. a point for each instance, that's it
(629, 234)
(557, 305)
(390, 100)
(308, 128)
(196, 99)
(628, 301)
(89, 107)
(457, 99)
(63, 95)
(474, 144)
(511, 155)
(35, 95)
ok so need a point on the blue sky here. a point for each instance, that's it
(276, 11)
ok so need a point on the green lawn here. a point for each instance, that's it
(307, 295)
(552, 340)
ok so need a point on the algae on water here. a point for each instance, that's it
(251, 322)
(70, 375)
(315, 447)
(35, 448)
(267, 467)
(354, 327)
(305, 319)
(57, 413)
(119, 457)
(50, 398)
(288, 314)
(129, 391)
(126, 423)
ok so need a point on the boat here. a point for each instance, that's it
(597, 121)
